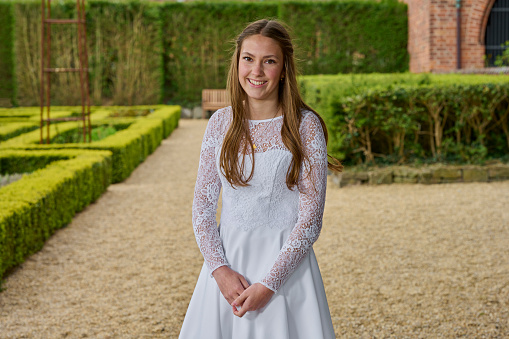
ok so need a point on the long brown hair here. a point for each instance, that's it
(290, 102)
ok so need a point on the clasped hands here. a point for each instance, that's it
(237, 291)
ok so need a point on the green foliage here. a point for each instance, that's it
(65, 178)
(33, 208)
(198, 43)
(129, 146)
(146, 52)
(503, 60)
(322, 92)
(454, 123)
(125, 44)
(98, 133)
(7, 66)
(10, 130)
(348, 36)
(11, 162)
(131, 113)
(10, 178)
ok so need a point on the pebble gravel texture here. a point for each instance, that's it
(398, 261)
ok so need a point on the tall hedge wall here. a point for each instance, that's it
(7, 78)
(348, 36)
(146, 52)
(126, 53)
(124, 48)
(198, 43)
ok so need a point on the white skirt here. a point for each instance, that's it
(298, 310)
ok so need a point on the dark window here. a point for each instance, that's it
(497, 30)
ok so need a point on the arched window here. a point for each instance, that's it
(497, 30)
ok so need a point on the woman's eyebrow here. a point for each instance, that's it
(266, 56)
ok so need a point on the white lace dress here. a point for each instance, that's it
(266, 233)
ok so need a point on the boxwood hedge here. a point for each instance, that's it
(32, 208)
(129, 146)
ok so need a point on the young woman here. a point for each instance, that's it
(268, 153)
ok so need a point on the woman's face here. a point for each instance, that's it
(260, 67)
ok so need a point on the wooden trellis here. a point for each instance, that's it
(47, 70)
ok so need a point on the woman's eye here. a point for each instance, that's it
(247, 58)
(271, 61)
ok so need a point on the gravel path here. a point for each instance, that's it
(405, 261)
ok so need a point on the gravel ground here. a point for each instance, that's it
(405, 261)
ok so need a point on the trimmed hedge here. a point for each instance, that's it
(348, 36)
(326, 94)
(11, 130)
(34, 207)
(7, 65)
(126, 51)
(129, 146)
(322, 91)
(198, 43)
(67, 177)
(463, 123)
(11, 162)
(145, 52)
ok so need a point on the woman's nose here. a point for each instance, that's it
(257, 69)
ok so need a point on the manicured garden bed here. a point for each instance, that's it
(63, 177)
(62, 183)
(130, 146)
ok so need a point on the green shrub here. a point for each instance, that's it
(129, 146)
(11, 130)
(146, 52)
(124, 44)
(198, 44)
(348, 36)
(464, 123)
(7, 65)
(98, 132)
(31, 209)
(324, 92)
(126, 52)
(64, 178)
(11, 162)
(503, 59)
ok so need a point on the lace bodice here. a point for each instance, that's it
(267, 201)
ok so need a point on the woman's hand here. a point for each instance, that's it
(252, 299)
(231, 283)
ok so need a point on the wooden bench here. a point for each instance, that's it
(212, 100)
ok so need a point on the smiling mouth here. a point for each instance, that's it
(256, 83)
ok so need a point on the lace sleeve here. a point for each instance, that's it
(206, 194)
(312, 185)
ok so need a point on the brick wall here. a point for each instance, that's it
(432, 34)
(419, 35)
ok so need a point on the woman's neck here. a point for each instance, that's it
(261, 110)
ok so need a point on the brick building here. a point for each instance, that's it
(432, 41)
